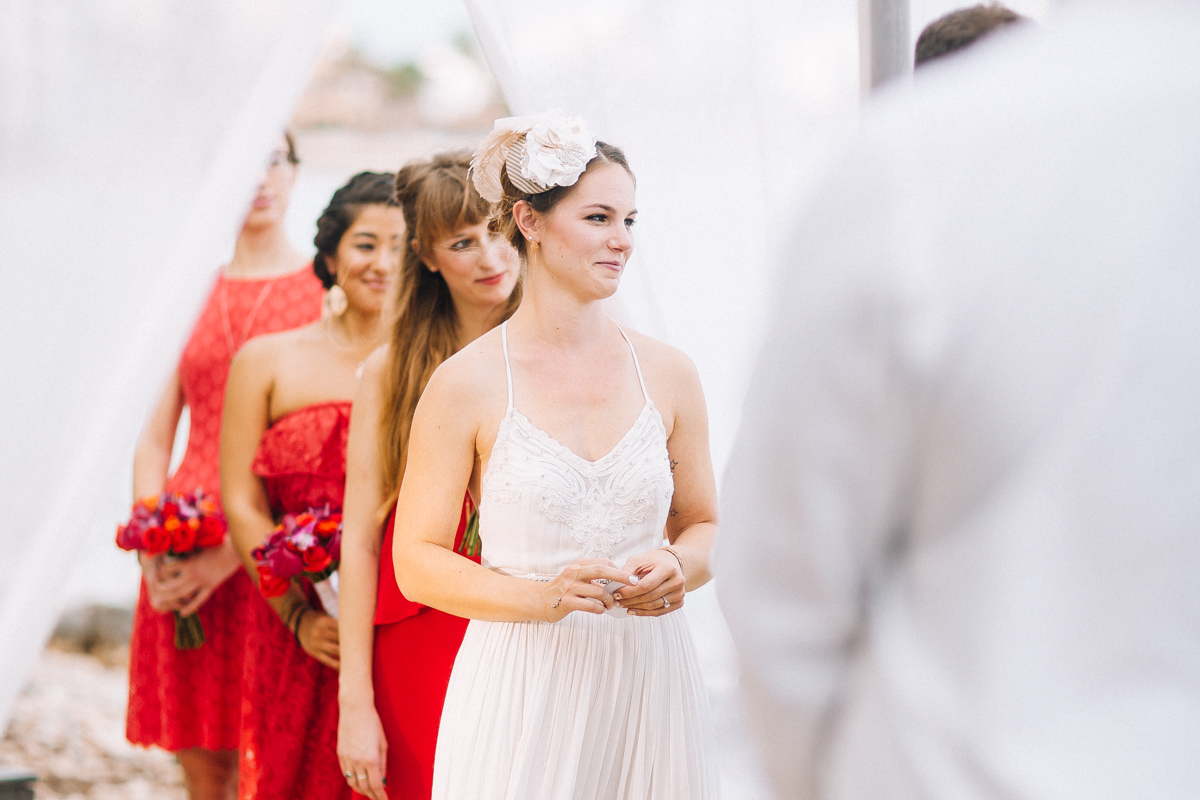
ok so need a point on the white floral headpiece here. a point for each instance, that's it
(541, 151)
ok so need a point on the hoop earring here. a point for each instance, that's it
(336, 301)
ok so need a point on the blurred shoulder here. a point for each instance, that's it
(374, 368)
(263, 355)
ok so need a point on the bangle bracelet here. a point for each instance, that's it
(304, 609)
(289, 615)
(677, 558)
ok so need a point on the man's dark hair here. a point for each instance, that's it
(960, 28)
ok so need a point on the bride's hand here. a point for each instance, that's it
(660, 578)
(573, 589)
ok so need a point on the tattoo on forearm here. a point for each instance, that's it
(673, 513)
(674, 464)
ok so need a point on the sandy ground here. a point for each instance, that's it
(69, 728)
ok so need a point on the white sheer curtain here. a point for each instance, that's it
(131, 132)
(131, 136)
(718, 106)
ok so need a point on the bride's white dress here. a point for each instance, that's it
(593, 707)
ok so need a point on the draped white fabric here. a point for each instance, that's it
(131, 132)
(131, 139)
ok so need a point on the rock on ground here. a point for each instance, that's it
(69, 727)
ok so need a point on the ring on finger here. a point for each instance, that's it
(666, 602)
(349, 775)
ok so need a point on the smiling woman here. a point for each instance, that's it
(458, 281)
(283, 446)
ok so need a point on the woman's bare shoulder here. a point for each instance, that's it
(473, 376)
(374, 368)
(272, 345)
(663, 361)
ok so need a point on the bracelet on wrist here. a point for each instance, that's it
(304, 609)
(677, 558)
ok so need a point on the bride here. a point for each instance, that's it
(585, 444)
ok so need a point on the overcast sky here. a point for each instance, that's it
(390, 31)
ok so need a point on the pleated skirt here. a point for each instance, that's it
(594, 707)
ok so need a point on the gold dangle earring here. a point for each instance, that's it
(336, 300)
(533, 246)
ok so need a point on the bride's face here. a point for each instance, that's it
(586, 238)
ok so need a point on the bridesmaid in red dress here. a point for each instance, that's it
(457, 281)
(283, 445)
(189, 701)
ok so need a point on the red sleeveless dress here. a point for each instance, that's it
(415, 647)
(192, 698)
(289, 699)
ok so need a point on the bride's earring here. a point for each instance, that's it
(533, 246)
(335, 301)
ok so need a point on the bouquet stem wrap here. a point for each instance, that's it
(327, 590)
(189, 633)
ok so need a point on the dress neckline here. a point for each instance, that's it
(540, 433)
(309, 407)
(225, 276)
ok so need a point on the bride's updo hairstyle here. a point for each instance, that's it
(538, 159)
(437, 198)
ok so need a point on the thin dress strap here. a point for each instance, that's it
(636, 365)
(508, 368)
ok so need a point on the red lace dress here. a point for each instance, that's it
(289, 699)
(192, 698)
(415, 646)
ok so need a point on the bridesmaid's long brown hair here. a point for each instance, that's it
(438, 197)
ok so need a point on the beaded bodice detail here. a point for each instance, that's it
(543, 505)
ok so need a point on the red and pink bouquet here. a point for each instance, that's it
(177, 526)
(308, 545)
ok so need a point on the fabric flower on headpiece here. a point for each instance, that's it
(540, 151)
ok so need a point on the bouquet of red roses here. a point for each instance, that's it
(177, 525)
(308, 545)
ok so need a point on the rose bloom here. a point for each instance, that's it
(284, 561)
(128, 538)
(316, 559)
(211, 533)
(183, 539)
(269, 584)
(156, 540)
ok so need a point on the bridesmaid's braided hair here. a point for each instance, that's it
(364, 189)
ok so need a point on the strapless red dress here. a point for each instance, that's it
(289, 699)
(415, 647)
(192, 698)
